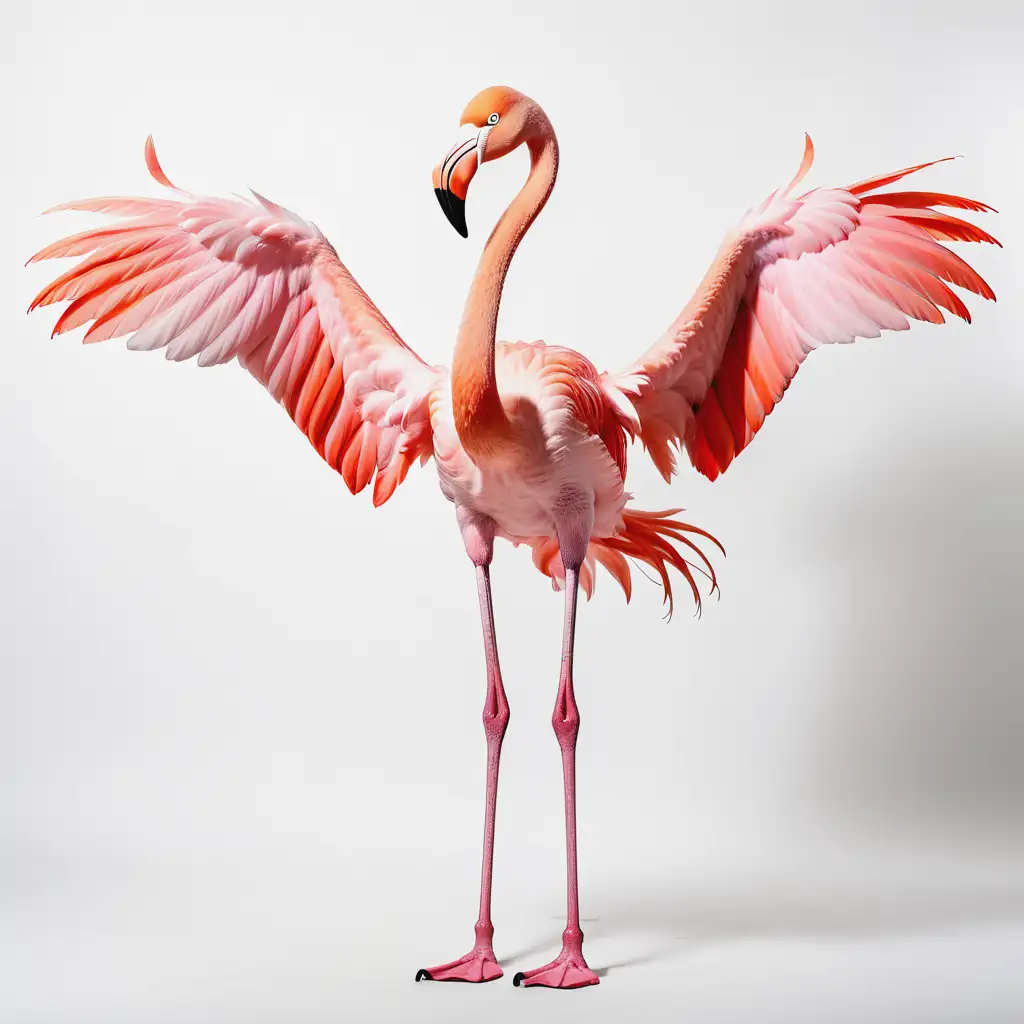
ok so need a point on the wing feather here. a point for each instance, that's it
(831, 265)
(223, 279)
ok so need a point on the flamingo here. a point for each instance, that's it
(529, 440)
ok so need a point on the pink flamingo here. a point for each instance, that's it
(529, 441)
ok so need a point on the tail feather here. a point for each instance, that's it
(654, 538)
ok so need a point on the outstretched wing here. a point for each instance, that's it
(828, 266)
(230, 278)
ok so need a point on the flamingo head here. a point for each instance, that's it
(495, 122)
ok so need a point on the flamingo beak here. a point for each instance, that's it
(453, 175)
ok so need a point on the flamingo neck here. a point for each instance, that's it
(480, 418)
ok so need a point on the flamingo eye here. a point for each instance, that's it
(493, 119)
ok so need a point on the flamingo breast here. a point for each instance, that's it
(554, 398)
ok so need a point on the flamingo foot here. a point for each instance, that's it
(567, 970)
(476, 966)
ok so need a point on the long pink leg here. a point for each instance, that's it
(479, 964)
(569, 969)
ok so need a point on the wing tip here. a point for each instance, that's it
(153, 165)
(60, 208)
(881, 180)
(805, 164)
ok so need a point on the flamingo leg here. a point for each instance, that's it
(569, 969)
(479, 964)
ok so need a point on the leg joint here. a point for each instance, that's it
(496, 721)
(566, 723)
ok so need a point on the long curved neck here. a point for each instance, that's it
(479, 415)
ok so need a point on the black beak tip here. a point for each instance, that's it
(454, 209)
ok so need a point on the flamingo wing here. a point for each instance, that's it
(233, 278)
(831, 265)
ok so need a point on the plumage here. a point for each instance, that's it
(831, 265)
(530, 441)
(219, 279)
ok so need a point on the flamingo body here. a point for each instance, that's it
(529, 441)
(570, 441)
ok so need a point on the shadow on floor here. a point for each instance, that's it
(721, 911)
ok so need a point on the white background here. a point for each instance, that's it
(241, 764)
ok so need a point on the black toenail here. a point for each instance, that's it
(424, 975)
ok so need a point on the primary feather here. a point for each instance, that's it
(828, 266)
(223, 279)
